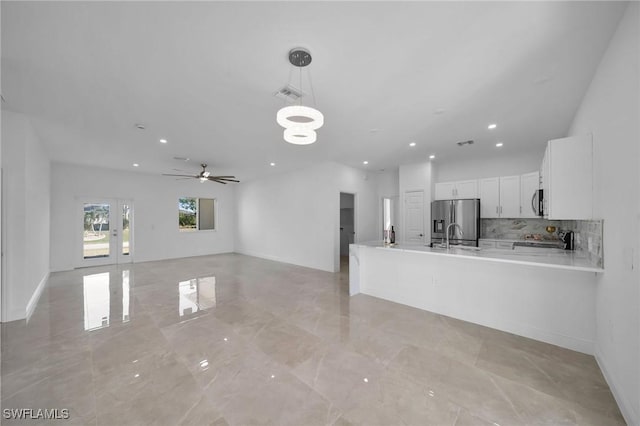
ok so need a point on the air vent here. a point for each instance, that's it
(289, 93)
(463, 143)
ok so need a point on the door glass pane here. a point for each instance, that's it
(386, 214)
(126, 216)
(96, 230)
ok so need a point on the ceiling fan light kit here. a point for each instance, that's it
(300, 122)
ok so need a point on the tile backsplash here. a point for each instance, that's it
(588, 239)
(588, 233)
(517, 229)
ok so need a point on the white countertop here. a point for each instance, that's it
(561, 259)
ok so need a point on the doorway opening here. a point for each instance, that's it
(347, 227)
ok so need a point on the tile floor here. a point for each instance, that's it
(231, 339)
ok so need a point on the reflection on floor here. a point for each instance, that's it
(231, 339)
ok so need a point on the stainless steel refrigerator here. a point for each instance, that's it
(465, 213)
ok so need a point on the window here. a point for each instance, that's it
(196, 214)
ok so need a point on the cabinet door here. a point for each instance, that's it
(466, 189)
(529, 183)
(489, 197)
(544, 182)
(444, 191)
(570, 165)
(510, 196)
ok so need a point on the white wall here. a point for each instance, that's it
(155, 199)
(500, 165)
(26, 192)
(610, 111)
(416, 177)
(295, 217)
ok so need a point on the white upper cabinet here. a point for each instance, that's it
(509, 196)
(456, 190)
(567, 181)
(467, 189)
(529, 184)
(445, 191)
(500, 197)
(489, 197)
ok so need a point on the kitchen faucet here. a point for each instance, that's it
(449, 226)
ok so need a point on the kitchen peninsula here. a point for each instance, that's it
(550, 298)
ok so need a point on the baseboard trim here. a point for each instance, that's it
(626, 408)
(33, 302)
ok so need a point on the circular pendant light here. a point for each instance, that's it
(300, 116)
(300, 135)
(300, 122)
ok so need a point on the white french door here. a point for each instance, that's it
(106, 230)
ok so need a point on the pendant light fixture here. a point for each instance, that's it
(300, 122)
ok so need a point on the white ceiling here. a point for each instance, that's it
(203, 75)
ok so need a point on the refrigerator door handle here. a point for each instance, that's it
(533, 202)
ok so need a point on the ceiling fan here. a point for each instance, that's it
(204, 176)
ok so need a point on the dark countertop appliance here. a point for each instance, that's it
(465, 213)
(569, 240)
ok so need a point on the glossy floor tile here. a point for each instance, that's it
(236, 340)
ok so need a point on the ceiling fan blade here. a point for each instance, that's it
(223, 177)
(217, 179)
(189, 176)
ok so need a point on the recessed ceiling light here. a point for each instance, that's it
(432, 156)
(272, 164)
(499, 144)
(163, 141)
(135, 164)
(365, 162)
(492, 126)
(139, 126)
(412, 144)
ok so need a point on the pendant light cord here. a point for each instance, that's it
(313, 94)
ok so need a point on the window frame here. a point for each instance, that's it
(197, 214)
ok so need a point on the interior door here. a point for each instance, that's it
(414, 217)
(107, 231)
